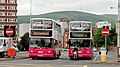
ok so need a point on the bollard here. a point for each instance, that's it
(11, 52)
(103, 56)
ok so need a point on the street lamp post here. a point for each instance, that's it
(30, 8)
(118, 31)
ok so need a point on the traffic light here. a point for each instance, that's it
(9, 31)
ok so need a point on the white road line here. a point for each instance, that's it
(95, 58)
(85, 66)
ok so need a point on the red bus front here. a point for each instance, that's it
(43, 49)
(84, 51)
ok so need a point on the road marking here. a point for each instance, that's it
(71, 65)
(26, 65)
(95, 58)
(11, 66)
(7, 65)
(85, 66)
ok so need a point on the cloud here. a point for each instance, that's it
(45, 6)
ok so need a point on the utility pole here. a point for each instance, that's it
(30, 8)
(118, 31)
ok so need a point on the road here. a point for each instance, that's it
(62, 62)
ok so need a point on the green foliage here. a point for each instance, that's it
(100, 40)
(113, 37)
(25, 41)
(69, 14)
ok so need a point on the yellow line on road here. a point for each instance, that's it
(85, 66)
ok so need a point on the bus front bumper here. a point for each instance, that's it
(82, 55)
(41, 55)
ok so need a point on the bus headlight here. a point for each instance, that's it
(31, 51)
(71, 50)
(88, 52)
(79, 51)
(48, 51)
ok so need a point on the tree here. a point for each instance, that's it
(100, 40)
(25, 41)
(113, 37)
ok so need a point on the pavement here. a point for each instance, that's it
(19, 55)
(111, 58)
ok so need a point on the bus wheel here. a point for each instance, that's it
(33, 58)
(71, 58)
(90, 58)
(53, 56)
(2, 55)
(59, 55)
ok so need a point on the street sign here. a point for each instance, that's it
(105, 32)
(9, 31)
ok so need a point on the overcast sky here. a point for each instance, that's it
(46, 6)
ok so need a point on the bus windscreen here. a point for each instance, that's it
(41, 42)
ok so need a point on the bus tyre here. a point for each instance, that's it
(90, 58)
(2, 55)
(58, 55)
(33, 58)
(71, 58)
(54, 56)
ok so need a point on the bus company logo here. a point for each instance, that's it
(40, 33)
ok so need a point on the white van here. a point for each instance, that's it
(4, 42)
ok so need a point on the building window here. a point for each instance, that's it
(2, 1)
(12, 1)
(12, 20)
(15, 7)
(0, 20)
(11, 14)
(12, 7)
(5, 1)
(0, 14)
(5, 14)
(5, 20)
(2, 7)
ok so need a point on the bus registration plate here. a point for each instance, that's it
(40, 55)
(80, 55)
